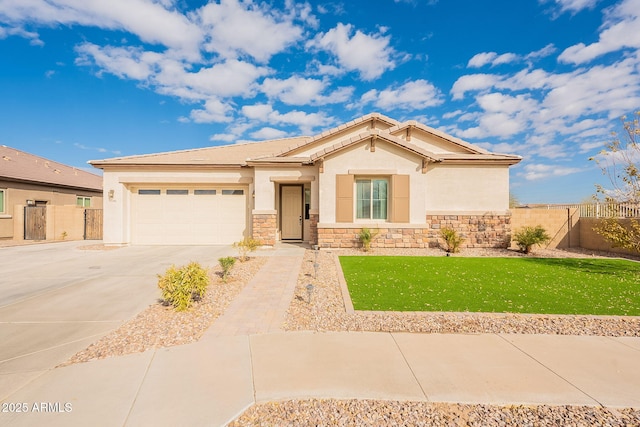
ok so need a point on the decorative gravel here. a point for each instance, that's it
(391, 413)
(162, 326)
(326, 311)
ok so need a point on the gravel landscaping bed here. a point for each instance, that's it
(162, 326)
(392, 413)
(326, 311)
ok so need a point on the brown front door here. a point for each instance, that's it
(291, 212)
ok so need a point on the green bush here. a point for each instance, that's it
(366, 236)
(180, 286)
(527, 237)
(246, 245)
(452, 239)
(226, 264)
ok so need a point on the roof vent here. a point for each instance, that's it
(7, 158)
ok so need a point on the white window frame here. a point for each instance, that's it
(371, 180)
(84, 199)
(3, 199)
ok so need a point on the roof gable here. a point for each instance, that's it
(17, 165)
(433, 139)
(346, 131)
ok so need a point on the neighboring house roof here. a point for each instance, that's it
(286, 151)
(17, 165)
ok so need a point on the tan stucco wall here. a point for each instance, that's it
(589, 239)
(17, 194)
(561, 224)
(387, 159)
(117, 209)
(467, 188)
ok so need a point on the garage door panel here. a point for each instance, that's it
(189, 219)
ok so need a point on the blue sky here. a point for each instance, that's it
(545, 79)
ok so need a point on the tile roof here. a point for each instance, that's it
(284, 150)
(224, 155)
(17, 165)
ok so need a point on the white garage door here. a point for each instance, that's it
(210, 215)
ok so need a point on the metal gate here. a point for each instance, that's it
(93, 224)
(35, 223)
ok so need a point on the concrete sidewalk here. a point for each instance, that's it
(244, 359)
(211, 382)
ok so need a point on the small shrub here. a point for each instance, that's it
(366, 236)
(226, 264)
(527, 237)
(452, 239)
(180, 286)
(246, 245)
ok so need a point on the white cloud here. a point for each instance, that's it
(572, 6)
(236, 28)
(124, 62)
(169, 76)
(541, 53)
(588, 146)
(226, 137)
(307, 122)
(150, 21)
(492, 58)
(215, 111)
(304, 91)
(268, 133)
(533, 172)
(370, 55)
(34, 38)
(452, 114)
(473, 82)
(620, 30)
(412, 95)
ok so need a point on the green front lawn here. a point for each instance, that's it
(499, 285)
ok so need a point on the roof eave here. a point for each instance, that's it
(50, 184)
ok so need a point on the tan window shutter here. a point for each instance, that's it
(400, 191)
(344, 198)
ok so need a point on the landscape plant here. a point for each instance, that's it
(452, 239)
(528, 237)
(619, 162)
(246, 245)
(366, 236)
(181, 286)
(226, 264)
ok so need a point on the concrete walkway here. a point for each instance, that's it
(211, 382)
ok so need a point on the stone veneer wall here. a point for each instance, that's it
(264, 228)
(313, 226)
(479, 231)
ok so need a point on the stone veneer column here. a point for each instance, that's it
(313, 226)
(264, 228)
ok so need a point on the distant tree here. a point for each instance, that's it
(513, 200)
(619, 162)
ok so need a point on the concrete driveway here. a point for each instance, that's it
(57, 298)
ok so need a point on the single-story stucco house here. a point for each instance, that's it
(28, 182)
(405, 180)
